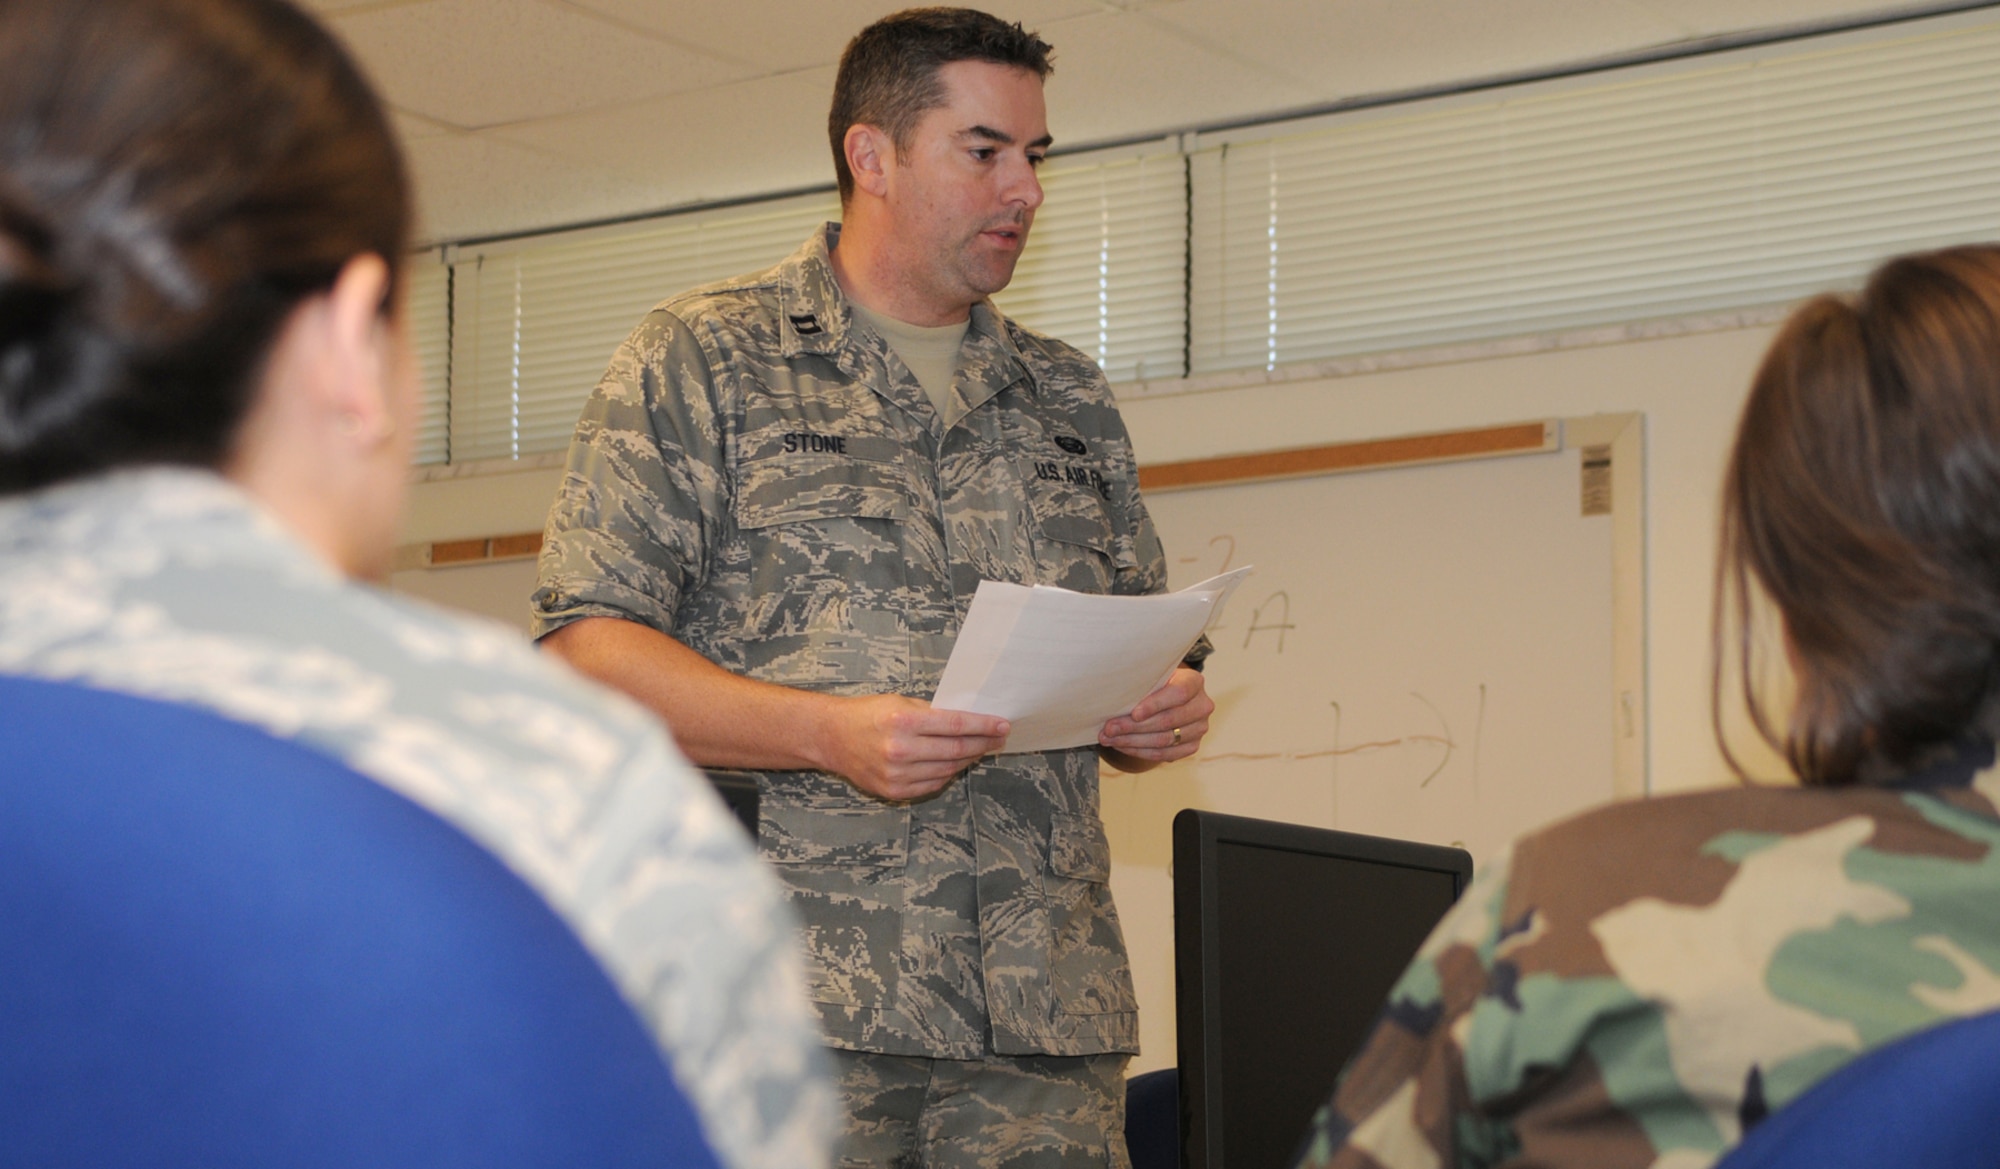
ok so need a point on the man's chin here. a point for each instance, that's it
(989, 279)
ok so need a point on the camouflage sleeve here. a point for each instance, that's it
(645, 489)
(1149, 572)
(1403, 1101)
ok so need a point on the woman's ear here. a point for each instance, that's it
(354, 341)
(321, 446)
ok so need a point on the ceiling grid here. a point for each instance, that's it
(528, 114)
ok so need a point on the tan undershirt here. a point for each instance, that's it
(931, 354)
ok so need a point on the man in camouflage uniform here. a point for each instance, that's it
(779, 504)
(1641, 985)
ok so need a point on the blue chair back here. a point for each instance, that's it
(1931, 1099)
(221, 949)
(1153, 1119)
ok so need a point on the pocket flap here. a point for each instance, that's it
(1079, 849)
(1073, 517)
(791, 490)
(794, 834)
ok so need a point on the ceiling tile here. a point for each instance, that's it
(597, 114)
(1358, 47)
(326, 6)
(1717, 17)
(410, 127)
(780, 35)
(470, 185)
(678, 151)
(488, 62)
(1122, 74)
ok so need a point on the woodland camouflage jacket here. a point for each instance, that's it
(1638, 986)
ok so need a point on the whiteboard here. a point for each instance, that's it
(1449, 653)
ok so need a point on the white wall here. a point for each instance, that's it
(462, 506)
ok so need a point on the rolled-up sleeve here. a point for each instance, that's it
(644, 491)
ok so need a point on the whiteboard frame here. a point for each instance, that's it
(1625, 434)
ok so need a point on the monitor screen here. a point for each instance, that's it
(1289, 939)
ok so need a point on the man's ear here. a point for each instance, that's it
(870, 154)
(356, 339)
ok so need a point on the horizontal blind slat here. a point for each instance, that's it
(1622, 198)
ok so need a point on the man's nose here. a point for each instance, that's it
(1025, 191)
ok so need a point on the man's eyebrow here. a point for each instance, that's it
(1004, 138)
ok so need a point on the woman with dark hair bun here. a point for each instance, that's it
(1643, 984)
(206, 407)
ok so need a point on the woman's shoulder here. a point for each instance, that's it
(471, 706)
(459, 650)
(1661, 835)
(173, 585)
(1774, 862)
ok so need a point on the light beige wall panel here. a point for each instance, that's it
(497, 591)
(468, 506)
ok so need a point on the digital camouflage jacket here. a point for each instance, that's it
(1641, 984)
(759, 476)
(173, 585)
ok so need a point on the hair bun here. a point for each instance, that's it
(36, 294)
(33, 287)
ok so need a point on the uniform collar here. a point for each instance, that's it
(814, 311)
(154, 514)
(817, 320)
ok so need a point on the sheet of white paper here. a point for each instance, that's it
(1057, 664)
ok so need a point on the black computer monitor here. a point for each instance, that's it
(1286, 942)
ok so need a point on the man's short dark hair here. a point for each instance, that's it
(889, 74)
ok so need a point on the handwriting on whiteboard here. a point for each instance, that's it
(1225, 546)
(1279, 607)
(1442, 739)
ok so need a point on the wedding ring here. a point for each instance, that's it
(1177, 736)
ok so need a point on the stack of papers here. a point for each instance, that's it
(1057, 664)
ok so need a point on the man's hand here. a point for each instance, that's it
(889, 746)
(898, 748)
(1166, 725)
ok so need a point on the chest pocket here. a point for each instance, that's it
(821, 540)
(1077, 542)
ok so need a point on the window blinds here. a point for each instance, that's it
(427, 316)
(1106, 262)
(1747, 179)
(536, 320)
